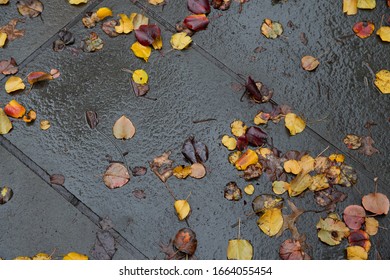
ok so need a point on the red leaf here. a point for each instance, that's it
(196, 22)
(363, 29)
(354, 216)
(147, 34)
(199, 6)
(255, 136)
(242, 143)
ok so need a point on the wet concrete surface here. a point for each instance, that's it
(196, 84)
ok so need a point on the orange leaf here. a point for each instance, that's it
(363, 29)
(30, 116)
(309, 63)
(14, 109)
(35, 77)
(248, 158)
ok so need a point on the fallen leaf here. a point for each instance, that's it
(299, 184)
(140, 194)
(157, 44)
(13, 84)
(125, 23)
(35, 77)
(123, 128)
(320, 182)
(292, 166)
(41, 257)
(5, 123)
(356, 253)
(222, 5)
(309, 63)
(3, 2)
(139, 20)
(337, 157)
(280, 187)
(384, 33)
(201, 150)
(14, 109)
(232, 192)
(234, 156)
(377, 203)
(371, 225)
(116, 176)
(31, 8)
(294, 123)
(329, 197)
(331, 230)
(57, 179)
(238, 128)
(196, 22)
(229, 142)
(350, 7)
(109, 28)
(92, 119)
(11, 31)
(348, 176)
(180, 41)
(139, 171)
(198, 171)
(104, 12)
(271, 29)
(74, 256)
(6, 194)
(3, 39)
(77, 2)
(255, 136)
(198, 6)
(65, 38)
(182, 172)
(22, 258)
(363, 29)
(271, 221)
(359, 238)
(156, 2)
(306, 163)
(182, 208)
(261, 118)
(367, 147)
(352, 141)
(140, 76)
(182, 246)
(90, 19)
(30, 116)
(246, 159)
(242, 143)
(104, 247)
(259, 92)
(141, 51)
(8, 67)
(249, 189)
(264, 202)
(290, 220)
(239, 249)
(292, 249)
(139, 90)
(252, 172)
(382, 80)
(92, 43)
(55, 73)
(146, 35)
(162, 166)
(354, 216)
(366, 4)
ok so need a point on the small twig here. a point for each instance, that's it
(169, 190)
(322, 152)
(204, 120)
(376, 184)
(239, 229)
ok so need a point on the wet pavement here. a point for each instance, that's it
(188, 85)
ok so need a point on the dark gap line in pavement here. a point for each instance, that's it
(68, 196)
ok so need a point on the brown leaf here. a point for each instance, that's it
(198, 171)
(329, 197)
(116, 176)
(221, 4)
(182, 246)
(140, 194)
(264, 202)
(92, 119)
(140, 89)
(8, 67)
(367, 147)
(10, 29)
(109, 28)
(139, 171)
(31, 8)
(232, 192)
(290, 220)
(6, 194)
(162, 166)
(377, 203)
(252, 172)
(57, 179)
(35, 77)
(309, 63)
(292, 249)
(359, 238)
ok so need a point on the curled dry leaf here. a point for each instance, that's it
(252, 172)
(92, 43)
(239, 249)
(116, 176)
(377, 203)
(45, 124)
(382, 79)
(356, 253)
(123, 128)
(30, 116)
(367, 147)
(292, 249)
(232, 192)
(74, 256)
(140, 194)
(109, 28)
(309, 63)
(271, 29)
(35, 77)
(5, 123)
(196, 22)
(90, 19)
(65, 38)
(363, 29)
(331, 230)
(162, 166)
(6, 194)
(359, 238)
(222, 5)
(30, 8)
(198, 6)
(354, 216)
(8, 67)
(11, 31)
(92, 119)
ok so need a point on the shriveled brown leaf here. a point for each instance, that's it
(367, 147)
(57, 179)
(232, 192)
(139, 171)
(162, 166)
(140, 90)
(264, 202)
(8, 67)
(290, 220)
(109, 28)
(140, 194)
(329, 198)
(11, 31)
(38, 76)
(92, 119)
(30, 8)
(252, 172)
(116, 175)
(182, 246)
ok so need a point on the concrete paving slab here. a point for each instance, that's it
(188, 87)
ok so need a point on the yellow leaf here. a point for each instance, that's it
(3, 2)
(307, 163)
(3, 38)
(294, 123)
(382, 79)
(14, 83)
(384, 33)
(104, 12)
(156, 2)
(366, 4)
(248, 158)
(41, 257)
(320, 182)
(356, 253)
(182, 208)
(125, 24)
(141, 51)
(271, 29)
(350, 7)
(299, 184)
(5, 123)
(371, 225)
(234, 156)
(181, 171)
(239, 249)
(280, 187)
(45, 125)
(140, 76)
(180, 41)
(238, 128)
(74, 256)
(263, 152)
(157, 43)
(229, 142)
(332, 230)
(261, 118)
(336, 157)
(292, 166)
(271, 221)
(249, 189)
(139, 20)
(123, 128)
(77, 2)
(22, 258)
